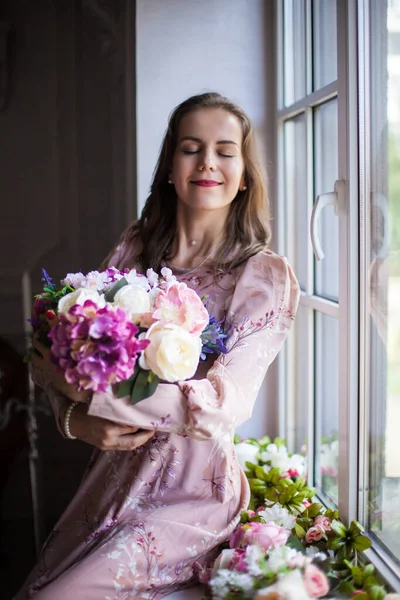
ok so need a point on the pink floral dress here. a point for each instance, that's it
(143, 522)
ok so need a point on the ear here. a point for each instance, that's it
(243, 186)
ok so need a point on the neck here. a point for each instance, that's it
(205, 228)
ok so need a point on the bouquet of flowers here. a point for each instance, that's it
(288, 546)
(123, 327)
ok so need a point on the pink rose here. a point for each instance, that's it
(324, 522)
(315, 534)
(181, 306)
(265, 535)
(315, 582)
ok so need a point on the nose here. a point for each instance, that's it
(206, 162)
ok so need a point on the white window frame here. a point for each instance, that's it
(353, 215)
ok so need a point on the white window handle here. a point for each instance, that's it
(321, 202)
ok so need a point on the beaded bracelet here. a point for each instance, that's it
(67, 430)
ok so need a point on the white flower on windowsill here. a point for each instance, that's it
(279, 515)
(246, 453)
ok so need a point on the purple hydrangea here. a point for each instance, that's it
(95, 347)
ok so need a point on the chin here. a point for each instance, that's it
(204, 204)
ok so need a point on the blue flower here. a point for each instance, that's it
(47, 279)
(213, 338)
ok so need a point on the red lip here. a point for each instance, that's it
(206, 182)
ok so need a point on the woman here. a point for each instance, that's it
(144, 521)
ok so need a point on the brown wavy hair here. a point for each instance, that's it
(247, 228)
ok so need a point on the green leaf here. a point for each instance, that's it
(357, 576)
(299, 530)
(369, 581)
(111, 293)
(145, 385)
(237, 439)
(368, 570)
(338, 528)
(347, 588)
(125, 388)
(377, 592)
(314, 510)
(361, 543)
(355, 528)
(258, 486)
(260, 473)
(294, 542)
(336, 543)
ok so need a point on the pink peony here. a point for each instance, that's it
(265, 535)
(315, 581)
(315, 534)
(180, 305)
(324, 522)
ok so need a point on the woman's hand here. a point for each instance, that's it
(50, 373)
(105, 434)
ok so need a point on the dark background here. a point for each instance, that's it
(66, 113)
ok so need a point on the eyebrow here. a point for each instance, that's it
(195, 139)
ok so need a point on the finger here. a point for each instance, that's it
(118, 430)
(51, 318)
(135, 440)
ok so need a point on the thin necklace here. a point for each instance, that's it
(200, 264)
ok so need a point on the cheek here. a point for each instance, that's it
(234, 174)
(181, 167)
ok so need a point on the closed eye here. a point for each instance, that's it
(197, 151)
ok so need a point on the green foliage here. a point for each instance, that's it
(341, 544)
(141, 384)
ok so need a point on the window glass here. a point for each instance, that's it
(326, 173)
(299, 392)
(384, 277)
(294, 50)
(324, 43)
(296, 195)
(326, 409)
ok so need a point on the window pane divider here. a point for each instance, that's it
(348, 260)
(316, 98)
(322, 305)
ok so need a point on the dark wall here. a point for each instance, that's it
(66, 172)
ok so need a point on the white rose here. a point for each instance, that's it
(79, 297)
(246, 453)
(173, 353)
(134, 300)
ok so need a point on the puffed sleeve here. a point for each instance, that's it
(260, 316)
